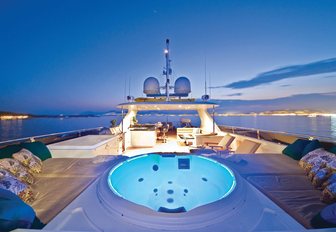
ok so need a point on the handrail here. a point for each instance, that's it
(259, 134)
(37, 137)
(259, 131)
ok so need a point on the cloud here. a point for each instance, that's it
(233, 94)
(319, 67)
(323, 102)
(330, 76)
(284, 85)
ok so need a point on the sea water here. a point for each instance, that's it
(323, 126)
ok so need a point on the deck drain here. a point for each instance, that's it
(170, 200)
(155, 167)
(170, 191)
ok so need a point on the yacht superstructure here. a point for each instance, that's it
(75, 190)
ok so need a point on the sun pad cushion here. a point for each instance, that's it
(63, 179)
(281, 179)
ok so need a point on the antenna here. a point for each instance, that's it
(205, 77)
(130, 98)
(129, 86)
(210, 85)
(167, 70)
(125, 89)
(205, 97)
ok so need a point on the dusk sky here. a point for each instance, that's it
(75, 56)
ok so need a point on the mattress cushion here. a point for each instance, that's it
(63, 179)
(281, 179)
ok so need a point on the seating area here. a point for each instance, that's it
(223, 146)
(187, 135)
(63, 179)
(247, 147)
(281, 179)
(59, 182)
(302, 180)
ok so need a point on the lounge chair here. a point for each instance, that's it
(224, 143)
(211, 148)
(247, 147)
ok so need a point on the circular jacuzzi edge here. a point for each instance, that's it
(233, 186)
(117, 166)
(226, 168)
(210, 214)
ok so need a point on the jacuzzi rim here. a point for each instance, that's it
(114, 191)
(197, 218)
(117, 166)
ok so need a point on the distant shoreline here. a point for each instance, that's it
(27, 116)
(20, 117)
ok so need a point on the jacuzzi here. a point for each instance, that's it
(170, 183)
(171, 192)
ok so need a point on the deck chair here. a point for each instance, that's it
(247, 147)
(224, 144)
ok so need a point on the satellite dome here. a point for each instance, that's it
(182, 86)
(151, 86)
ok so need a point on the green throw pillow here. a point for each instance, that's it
(7, 151)
(313, 145)
(295, 149)
(37, 148)
(333, 149)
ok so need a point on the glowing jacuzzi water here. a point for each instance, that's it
(171, 184)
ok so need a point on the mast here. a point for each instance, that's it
(205, 77)
(167, 70)
(209, 85)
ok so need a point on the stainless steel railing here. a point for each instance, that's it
(273, 136)
(268, 135)
(55, 137)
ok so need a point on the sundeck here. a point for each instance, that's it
(153, 177)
